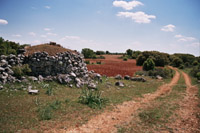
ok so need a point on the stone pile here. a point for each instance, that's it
(66, 68)
(6, 63)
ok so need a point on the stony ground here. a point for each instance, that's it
(186, 121)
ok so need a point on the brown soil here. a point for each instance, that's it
(122, 113)
(50, 49)
(112, 65)
(187, 121)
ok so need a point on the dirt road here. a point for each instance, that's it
(122, 113)
(187, 121)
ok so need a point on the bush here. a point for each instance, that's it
(181, 66)
(125, 58)
(195, 63)
(20, 71)
(87, 62)
(26, 69)
(129, 52)
(88, 53)
(100, 52)
(101, 57)
(98, 62)
(195, 70)
(92, 98)
(177, 62)
(148, 65)
(141, 73)
(165, 73)
(198, 75)
(17, 71)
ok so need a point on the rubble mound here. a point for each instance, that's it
(51, 48)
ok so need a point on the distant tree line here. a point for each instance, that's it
(9, 47)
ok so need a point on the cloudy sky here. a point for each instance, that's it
(171, 26)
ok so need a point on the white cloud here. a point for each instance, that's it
(127, 5)
(138, 17)
(3, 22)
(72, 37)
(17, 35)
(32, 34)
(182, 38)
(47, 29)
(47, 7)
(43, 36)
(178, 36)
(168, 28)
(51, 34)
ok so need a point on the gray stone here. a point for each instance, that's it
(159, 77)
(1, 87)
(33, 78)
(118, 77)
(127, 77)
(40, 78)
(119, 83)
(140, 79)
(92, 86)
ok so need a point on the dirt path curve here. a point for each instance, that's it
(105, 123)
(187, 121)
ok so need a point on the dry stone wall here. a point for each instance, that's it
(66, 68)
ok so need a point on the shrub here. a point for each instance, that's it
(141, 73)
(20, 71)
(12, 51)
(88, 53)
(176, 62)
(87, 62)
(100, 52)
(129, 52)
(125, 58)
(165, 73)
(148, 65)
(17, 71)
(181, 66)
(195, 70)
(92, 98)
(198, 75)
(101, 57)
(26, 69)
(195, 63)
(98, 62)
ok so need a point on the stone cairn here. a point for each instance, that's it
(66, 68)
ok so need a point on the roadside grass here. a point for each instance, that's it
(57, 106)
(154, 117)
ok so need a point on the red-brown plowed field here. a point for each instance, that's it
(111, 66)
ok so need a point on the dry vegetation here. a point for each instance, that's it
(50, 49)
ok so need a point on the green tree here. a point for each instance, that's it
(148, 65)
(88, 53)
(129, 52)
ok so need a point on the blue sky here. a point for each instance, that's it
(171, 26)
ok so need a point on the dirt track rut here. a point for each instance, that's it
(106, 122)
(187, 121)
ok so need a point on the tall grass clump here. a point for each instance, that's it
(92, 98)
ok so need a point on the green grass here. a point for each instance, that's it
(58, 106)
(154, 117)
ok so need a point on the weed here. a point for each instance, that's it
(92, 98)
(49, 91)
(46, 113)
